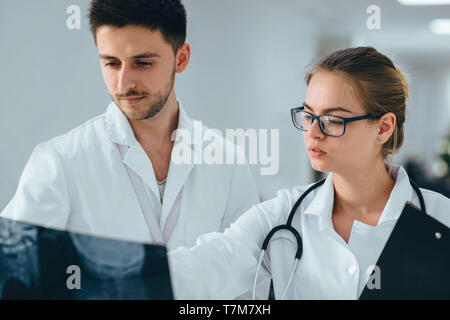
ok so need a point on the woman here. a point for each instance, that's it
(344, 223)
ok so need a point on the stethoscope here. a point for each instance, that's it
(288, 227)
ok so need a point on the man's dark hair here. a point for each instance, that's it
(167, 16)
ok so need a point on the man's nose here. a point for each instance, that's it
(126, 79)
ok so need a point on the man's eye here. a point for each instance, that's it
(145, 64)
(140, 64)
(111, 64)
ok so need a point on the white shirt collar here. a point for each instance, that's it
(401, 193)
(322, 202)
(119, 129)
(323, 199)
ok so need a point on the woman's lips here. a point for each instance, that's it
(316, 152)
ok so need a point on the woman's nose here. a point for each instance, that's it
(315, 131)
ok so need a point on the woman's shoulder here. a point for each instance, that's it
(285, 199)
(292, 194)
(437, 206)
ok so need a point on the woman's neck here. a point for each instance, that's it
(363, 194)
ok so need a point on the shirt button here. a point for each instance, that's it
(352, 269)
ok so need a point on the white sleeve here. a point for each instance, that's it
(223, 265)
(41, 197)
(242, 196)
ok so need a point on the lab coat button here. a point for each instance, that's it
(352, 269)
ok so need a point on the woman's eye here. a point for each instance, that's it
(335, 122)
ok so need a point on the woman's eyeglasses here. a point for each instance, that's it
(333, 126)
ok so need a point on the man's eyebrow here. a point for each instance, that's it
(147, 54)
(329, 109)
(144, 55)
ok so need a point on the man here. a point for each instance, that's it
(114, 176)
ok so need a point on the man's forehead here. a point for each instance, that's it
(130, 41)
(129, 29)
(143, 55)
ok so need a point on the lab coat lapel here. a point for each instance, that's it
(321, 204)
(138, 161)
(178, 173)
(400, 194)
(119, 131)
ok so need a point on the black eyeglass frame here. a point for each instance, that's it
(314, 117)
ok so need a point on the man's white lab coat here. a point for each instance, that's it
(78, 182)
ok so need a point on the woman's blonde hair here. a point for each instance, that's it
(381, 86)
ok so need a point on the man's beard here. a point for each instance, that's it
(155, 105)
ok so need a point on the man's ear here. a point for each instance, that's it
(182, 57)
(386, 126)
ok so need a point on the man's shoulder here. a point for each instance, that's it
(80, 137)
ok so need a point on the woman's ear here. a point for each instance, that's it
(182, 57)
(386, 126)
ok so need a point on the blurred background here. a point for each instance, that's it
(249, 58)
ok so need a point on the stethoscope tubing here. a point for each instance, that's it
(288, 226)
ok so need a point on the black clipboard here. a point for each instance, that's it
(415, 262)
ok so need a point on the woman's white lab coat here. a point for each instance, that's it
(223, 265)
(79, 182)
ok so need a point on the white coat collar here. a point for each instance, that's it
(321, 203)
(119, 130)
(401, 193)
(323, 199)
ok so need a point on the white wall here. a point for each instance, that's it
(428, 110)
(248, 61)
(50, 80)
(428, 106)
(247, 68)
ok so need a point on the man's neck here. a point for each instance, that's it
(157, 130)
(154, 135)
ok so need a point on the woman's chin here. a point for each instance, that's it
(319, 165)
